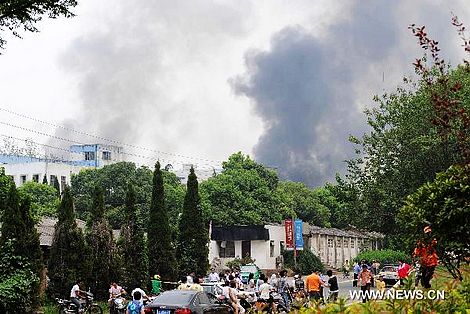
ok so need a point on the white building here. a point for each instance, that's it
(23, 168)
(201, 174)
(264, 243)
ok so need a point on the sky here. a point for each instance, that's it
(195, 81)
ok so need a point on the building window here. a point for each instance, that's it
(271, 248)
(338, 243)
(226, 249)
(89, 155)
(36, 177)
(63, 182)
(352, 243)
(246, 248)
(346, 243)
(330, 242)
(23, 179)
(106, 155)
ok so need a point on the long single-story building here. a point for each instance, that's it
(264, 244)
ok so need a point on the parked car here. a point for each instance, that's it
(185, 302)
(245, 271)
(389, 274)
(214, 288)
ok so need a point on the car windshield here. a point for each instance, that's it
(389, 269)
(248, 269)
(174, 297)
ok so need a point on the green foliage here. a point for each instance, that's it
(307, 262)
(161, 250)
(69, 258)
(442, 204)
(244, 193)
(383, 256)
(402, 151)
(18, 282)
(101, 246)
(44, 199)
(192, 248)
(133, 246)
(312, 206)
(237, 262)
(114, 179)
(5, 182)
(24, 15)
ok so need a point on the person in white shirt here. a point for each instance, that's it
(142, 293)
(265, 294)
(75, 295)
(190, 278)
(213, 276)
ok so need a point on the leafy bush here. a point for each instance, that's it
(383, 256)
(17, 281)
(237, 262)
(44, 199)
(307, 262)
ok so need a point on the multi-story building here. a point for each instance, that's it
(23, 168)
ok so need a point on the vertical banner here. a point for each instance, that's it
(299, 239)
(289, 234)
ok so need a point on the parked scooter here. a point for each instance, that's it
(67, 306)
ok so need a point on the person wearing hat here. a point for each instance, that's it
(156, 285)
(426, 252)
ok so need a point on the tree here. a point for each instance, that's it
(244, 193)
(19, 240)
(443, 205)
(15, 14)
(192, 248)
(44, 180)
(5, 182)
(69, 258)
(133, 246)
(161, 251)
(99, 239)
(56, 185)
(308, 205)
(44, 199)
(114, 179)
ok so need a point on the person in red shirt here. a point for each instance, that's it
(426, 252)
(403, 271)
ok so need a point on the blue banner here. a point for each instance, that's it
(299, 239)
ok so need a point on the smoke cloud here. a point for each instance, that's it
(310, 89)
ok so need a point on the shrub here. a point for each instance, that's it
(307, 262)
(383, 256)
(17, 281)
(237, 262)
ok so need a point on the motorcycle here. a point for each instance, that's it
(263, 306)
(67, 306)
(119, 305)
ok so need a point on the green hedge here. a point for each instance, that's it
(307, 262)
(383, 256)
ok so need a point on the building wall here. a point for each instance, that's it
(40, 168)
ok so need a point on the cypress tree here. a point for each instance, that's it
(99, 239)
(68, 260)
(192, 249)
(44, 179)
(133, 247)
(56, 185)
(161, 252)
(18, 227)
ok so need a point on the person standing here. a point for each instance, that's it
(364, 279)
(283, 287)
(333, 285)
(156, 285)
(357, 270)
(380, 284)
(403, 271)
(426, 251)
(136, 306)
(214, 276)
(346, 269)
(312, 286)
